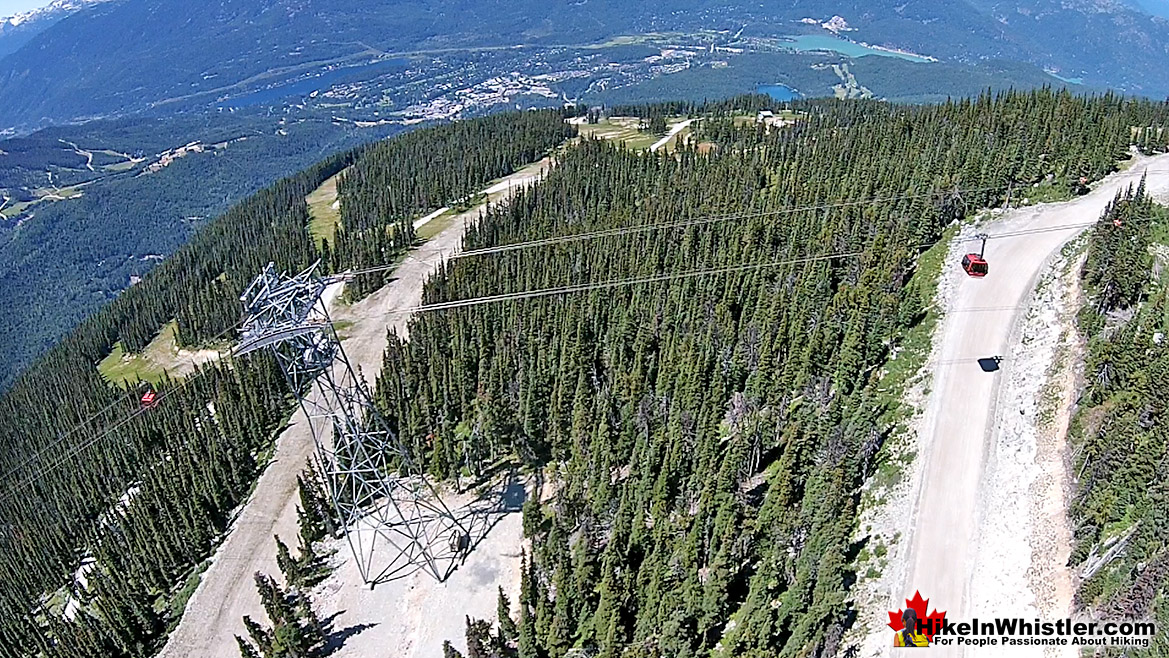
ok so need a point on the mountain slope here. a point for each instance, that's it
(134, 55)
(1093, 39)
(61, 260)
(17, 30)
(1154, 7)
(128, 56)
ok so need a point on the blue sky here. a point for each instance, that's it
(1158, 7)
(9, 7)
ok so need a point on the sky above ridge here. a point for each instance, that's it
(10, 7)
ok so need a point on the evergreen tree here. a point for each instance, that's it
(480, 643)
(289, 567)
(528, 647)
(246, 650)
(260, 636)
(508, 633)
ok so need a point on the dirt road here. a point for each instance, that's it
(958, 429)
(674, 130)
(226, 593)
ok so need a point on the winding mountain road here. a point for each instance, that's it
(959, 425)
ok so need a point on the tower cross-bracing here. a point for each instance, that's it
(391, 513)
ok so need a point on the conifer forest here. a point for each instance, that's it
(708, 437)
(703, 439)
(128, 500)
(1120, 434)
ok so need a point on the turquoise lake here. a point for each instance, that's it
(806, 42)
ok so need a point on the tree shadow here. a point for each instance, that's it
(487, 474)
(335, 640)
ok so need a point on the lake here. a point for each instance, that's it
(1070, 81)
(806, 42)
(778, 92)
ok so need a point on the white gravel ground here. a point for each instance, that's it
(976, 523)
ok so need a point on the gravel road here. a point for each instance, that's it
(226, 593)
(964, 412)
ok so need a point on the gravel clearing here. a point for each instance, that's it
(412, 616)
(1026, 553)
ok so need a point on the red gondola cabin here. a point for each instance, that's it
(974, 265)
(148, 398)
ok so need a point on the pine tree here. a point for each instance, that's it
(508, 632)
(314, 520)
(289, 566)
(296, 631)
(246, 650)
(479, 640)
(260, 636)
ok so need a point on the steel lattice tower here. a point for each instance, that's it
(391, 513)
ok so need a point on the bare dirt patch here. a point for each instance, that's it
(1023, 531)
(412, 616)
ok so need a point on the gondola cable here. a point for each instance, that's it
(530, 294)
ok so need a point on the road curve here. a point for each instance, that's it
(213, 616)
(958, 425)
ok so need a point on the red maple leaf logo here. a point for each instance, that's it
(930, 623)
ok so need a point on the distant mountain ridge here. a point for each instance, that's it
(1154, 7)
(110, 58)
(1114, 41)
(19, 29)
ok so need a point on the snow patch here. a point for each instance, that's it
(836, 25)
(55, 7)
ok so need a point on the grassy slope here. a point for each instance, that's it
(325, 217)
(624, 130)
(160, 357)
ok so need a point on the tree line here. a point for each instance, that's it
(400, 179)
(1119, 436)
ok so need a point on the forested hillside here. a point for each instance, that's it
(399, 179)
(705, 439)
(1120, 436)
(106, 506)
(62, 260)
